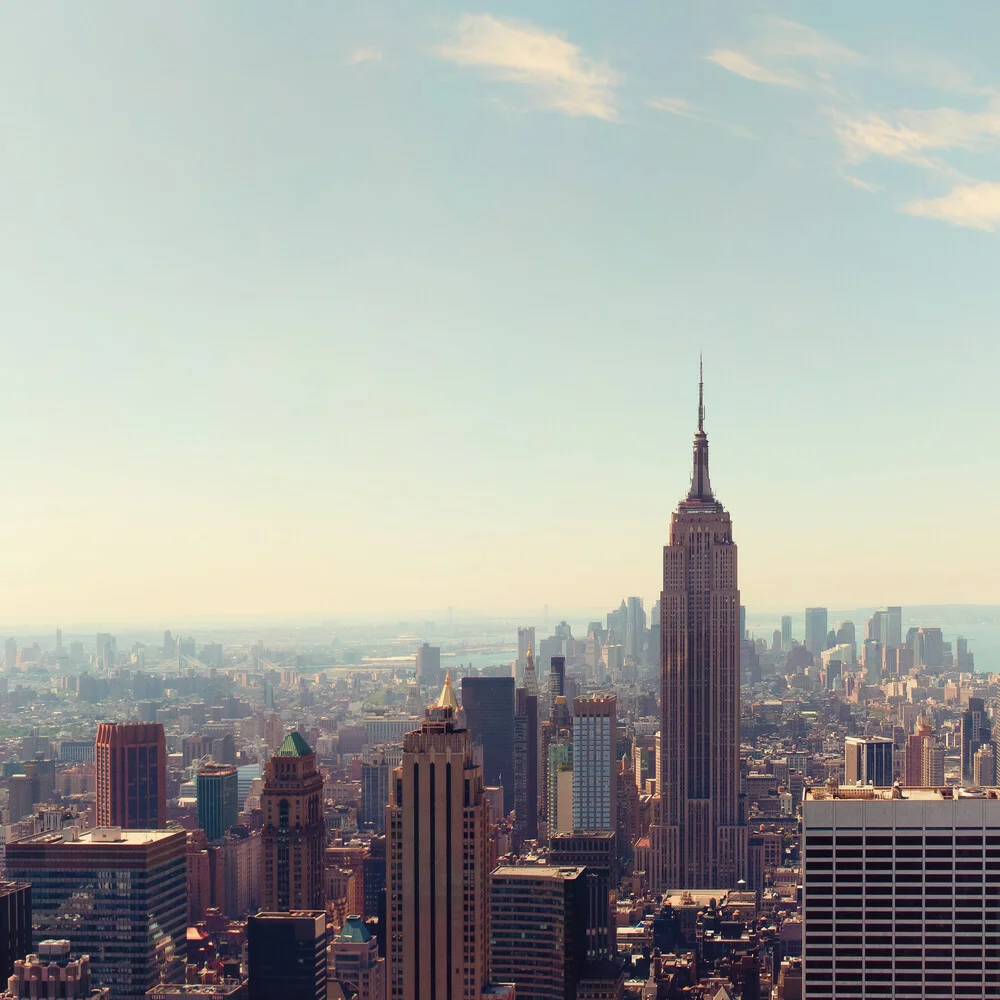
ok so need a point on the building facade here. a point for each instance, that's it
(437, 900)
(594, 764)
(700, 840)
(294, 833)
(901, 893)
(15, 925)
(538, 928)
(218, 799)
(868, 760)
(488, 703)
(286, 955)
(122, 894)
(131, 763)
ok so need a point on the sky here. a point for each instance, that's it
(339, 308)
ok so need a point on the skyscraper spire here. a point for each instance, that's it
(700, 494)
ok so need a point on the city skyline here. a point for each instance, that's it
(398, 306)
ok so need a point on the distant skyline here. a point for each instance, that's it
(335, 309)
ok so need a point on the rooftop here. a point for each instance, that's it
(101, 836)
(944, 793)
(537, 871)
(293, 746)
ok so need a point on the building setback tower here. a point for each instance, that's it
(294, 831)
(437, 902)
(131, 775)
(701, 838)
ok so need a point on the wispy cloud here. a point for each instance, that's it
(789, 38)
(742, 65)
(364, 55)
(554, 71)
(976, 206)
(674, 106)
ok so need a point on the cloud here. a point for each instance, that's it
(976, 206)
(364, 55)
(789, 38)
(674, 106)
(742, 65)
(555, 71)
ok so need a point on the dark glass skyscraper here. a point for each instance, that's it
(218, 799)
(701, 838)
(286, 955)
(488, 703)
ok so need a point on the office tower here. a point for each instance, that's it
(700, 841)
(984, 766)
(846, 634)
(356, 963)
(928, 647)
(374, 791)
(488, 703)
(525, 766)
(596, 853)
(294, 830)
(976, 730)
(816, 626)
(429, 665)
(868, 760)
(218, 793)
(59, 644)
(131, 775)
(743, 622)
(962, 663)
(925, 926)
(437, 901)
(525, 644)
(242, 871)
(20, 797)
(557, 678)
(786, 632)
(893, 627)
(595, 795)
(15, 925)
(635, 626)
(932, 763)
(373, 882)
(548, 962)
(10, 653)
(871, 660)
(122, 894)
(286, 955)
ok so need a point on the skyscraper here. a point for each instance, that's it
(546, 963)
(816, 630)
(701, 838)
(286, 955)
(900, 896)
(437, 902)
(121, 893)
(429, 664)
(786, 632)
(218, 799)
(976, 731)
(294, 831)
(15, 925)
(595, 772)
(131, 775)
(893, 627)
(525, 644)
(868, 759)
(525, 766)
(488, 703)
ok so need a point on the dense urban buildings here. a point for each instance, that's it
(700, 840)
(438, 896)
(294, 831)
(900, 896)
(131, 775)
(117, 895)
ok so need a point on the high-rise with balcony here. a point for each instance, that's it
(437, 902)
(700, 840)
(131, 761)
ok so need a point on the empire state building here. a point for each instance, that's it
(700, 841)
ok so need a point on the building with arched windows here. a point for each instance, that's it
(294, 834)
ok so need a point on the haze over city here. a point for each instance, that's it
(368, 309)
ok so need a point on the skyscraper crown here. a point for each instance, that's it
(700, 495)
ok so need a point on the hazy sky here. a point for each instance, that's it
(315, 307)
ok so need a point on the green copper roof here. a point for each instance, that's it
(354, 930)
(294, 746)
